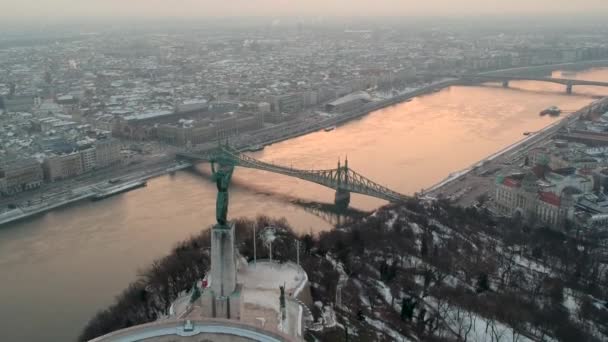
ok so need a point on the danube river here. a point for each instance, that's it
(57, 270)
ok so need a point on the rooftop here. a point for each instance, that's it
(550, 198)
(193, 330)
(148, 115)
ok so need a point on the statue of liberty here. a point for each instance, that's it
(222, 175)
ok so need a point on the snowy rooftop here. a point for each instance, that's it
(359, 95)
(148, 115)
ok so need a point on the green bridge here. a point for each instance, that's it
(342, 179)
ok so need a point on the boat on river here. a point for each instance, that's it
(255, 148)
(553, 111)
(330, 128)
(118, 189)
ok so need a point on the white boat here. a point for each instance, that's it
(330, 128)
(255, 148)
(118, 189)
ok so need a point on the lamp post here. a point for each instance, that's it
(297, 251)
(269, 236)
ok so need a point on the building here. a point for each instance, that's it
(105, 122)
(107, 153)
(22, 103)
(20, 175)
(593, 204)
(191, 132)
(192, 107)
(66, 100)
(592, 210)
(569, 177)
(517, 194)
(325, 94)
(291, 103)
(88, 157)
(141, 126)
(62, 166)
(182, 133)
(538, 155)
(264, 107)
(349, 102)
(599, 221)
(551, 196)
(549, 208)
(311, 98)
(602, 180)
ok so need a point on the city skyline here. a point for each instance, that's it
(63, 9)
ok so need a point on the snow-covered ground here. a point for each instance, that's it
(479, 329)
(381, 326)
(267, 275)
(261, 294)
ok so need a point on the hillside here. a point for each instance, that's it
(434, 272)
(421, 271)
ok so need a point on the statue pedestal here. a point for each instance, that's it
(223, 297)
(215, 306)
(223, 260)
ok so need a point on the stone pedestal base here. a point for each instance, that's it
(342, 199)
(223, 260)
(215, 306)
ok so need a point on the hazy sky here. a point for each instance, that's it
(53, 9)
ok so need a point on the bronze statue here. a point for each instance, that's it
(222, 176)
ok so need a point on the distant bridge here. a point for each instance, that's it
(342, 179)
(505, 80)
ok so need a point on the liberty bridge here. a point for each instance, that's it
(342, 179)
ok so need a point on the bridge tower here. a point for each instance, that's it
(342, 199)
(569, 87)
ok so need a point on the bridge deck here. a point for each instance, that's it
(563, 81)
(341, 178)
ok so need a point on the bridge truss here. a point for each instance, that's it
(342, 179)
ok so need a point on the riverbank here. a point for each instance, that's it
(339, 119)
(303, 128)
(97, 190)
(92, 191)
(453, 186)
(53, 200)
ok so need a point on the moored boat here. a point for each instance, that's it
(255, 148)
(118, 189)
(553, 110)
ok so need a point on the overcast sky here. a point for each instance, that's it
(54, 9)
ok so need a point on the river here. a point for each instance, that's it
(58, 269)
